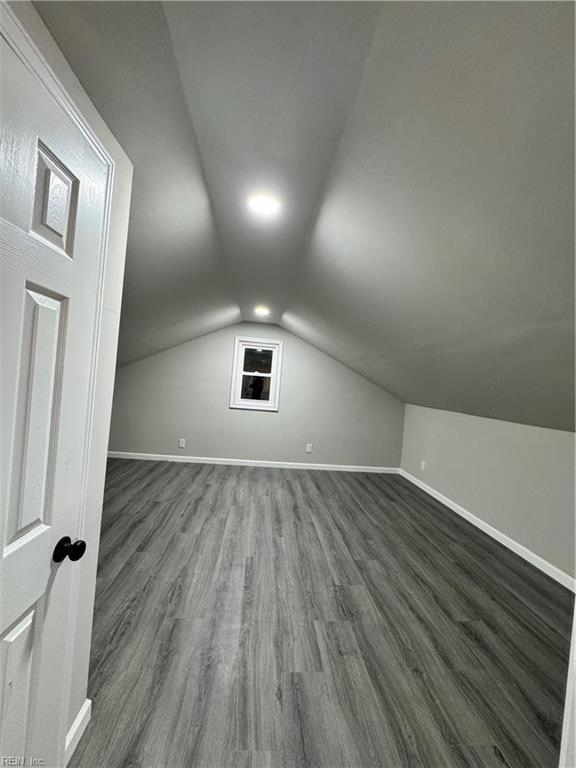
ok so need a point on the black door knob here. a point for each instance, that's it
(68, 548)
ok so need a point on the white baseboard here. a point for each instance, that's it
(249, 462)
(535, 560)
(77, 729)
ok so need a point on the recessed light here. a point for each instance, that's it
(264, 204)
(261, 311)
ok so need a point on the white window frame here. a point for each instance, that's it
(241, 343)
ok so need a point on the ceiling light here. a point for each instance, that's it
(261, 311)
(264, 204)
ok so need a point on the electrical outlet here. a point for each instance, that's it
(423, 465)
(308, 447)
(182, 442)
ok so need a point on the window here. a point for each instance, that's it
(256, 374)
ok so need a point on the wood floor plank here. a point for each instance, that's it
(253, 617)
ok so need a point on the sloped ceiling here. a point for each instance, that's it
(424, 154)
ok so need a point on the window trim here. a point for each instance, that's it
(240, 344)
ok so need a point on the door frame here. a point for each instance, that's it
(24, 30)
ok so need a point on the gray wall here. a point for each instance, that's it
(185, 391)
(517, 478)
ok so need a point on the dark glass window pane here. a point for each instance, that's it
(257, 360)
(255, 388)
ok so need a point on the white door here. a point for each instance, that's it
(54, 188)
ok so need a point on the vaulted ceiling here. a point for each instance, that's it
(424, 154)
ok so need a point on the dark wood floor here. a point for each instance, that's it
(260, 617)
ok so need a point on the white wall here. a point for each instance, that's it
(185, 392)
(517, 478)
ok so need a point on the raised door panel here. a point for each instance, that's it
(43, 328)
(16, 665)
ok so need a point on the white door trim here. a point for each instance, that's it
(568, 742)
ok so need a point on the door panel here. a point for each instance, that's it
(37, 400)
(54, 187)
(16, 662)
(55, 201)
